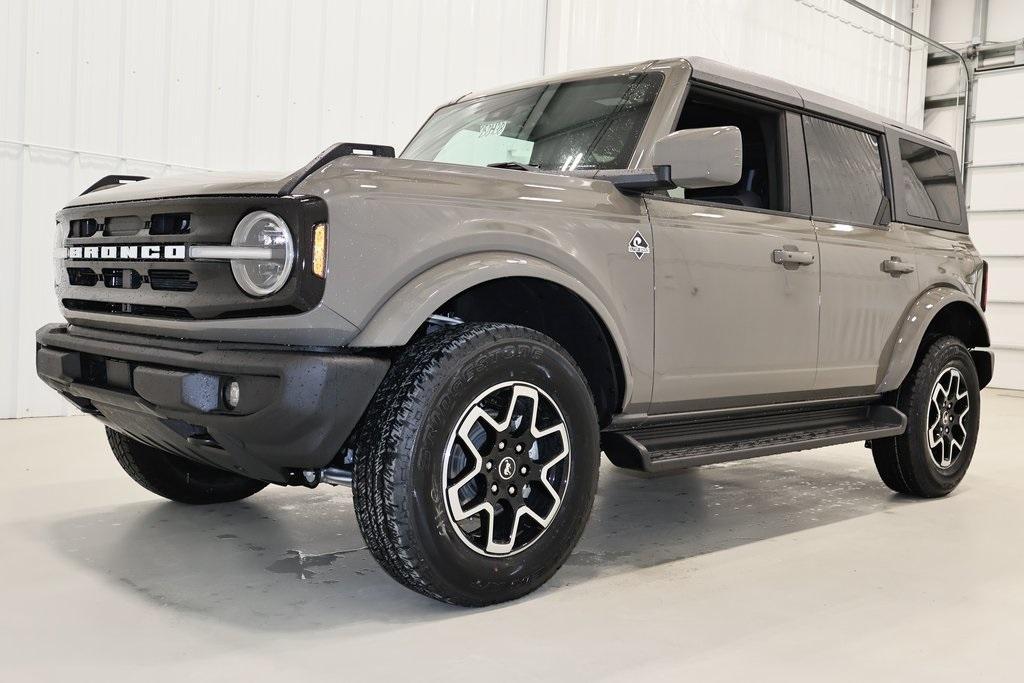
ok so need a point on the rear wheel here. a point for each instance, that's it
(177, 478)
(942, 401)
(477, 464)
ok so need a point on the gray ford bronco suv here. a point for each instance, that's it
(673, 262)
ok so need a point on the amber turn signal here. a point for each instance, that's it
(320, 249)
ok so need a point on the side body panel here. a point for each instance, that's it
(862, 306)
(950, 272)
(731, 325)
(423, 228)
(946, 258)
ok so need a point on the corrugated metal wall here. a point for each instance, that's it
(150, 87)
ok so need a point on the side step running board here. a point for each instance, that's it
(693, 442)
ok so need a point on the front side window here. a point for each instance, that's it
(592, 124)
(929, 183)
(760, 185)
(845, 166)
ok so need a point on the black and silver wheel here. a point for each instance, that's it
(477, 464)
(950, 404)
(941, 399)
(506, 468)
(176, 478)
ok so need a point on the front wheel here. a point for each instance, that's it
(942, 401)
(477, 464)
(177, 478)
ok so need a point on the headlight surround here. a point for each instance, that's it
(262, 277)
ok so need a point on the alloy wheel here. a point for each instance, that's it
(506, 468)
(950, 402)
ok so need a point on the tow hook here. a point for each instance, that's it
(335, 476)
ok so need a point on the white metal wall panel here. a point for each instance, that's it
(996, 207)
(825, 45)
(1008, 327)
(997, 233)
(953, 21)
(1006, 283)
(999, 142)
(92, 87)
(995, 188)
(999, 94)
(1005, 20)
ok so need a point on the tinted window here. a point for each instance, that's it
(845, 166)
(569, 126)
(929, 183)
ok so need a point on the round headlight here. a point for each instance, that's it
(268, 268)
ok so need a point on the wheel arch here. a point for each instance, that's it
(940, 310)
(459, 285)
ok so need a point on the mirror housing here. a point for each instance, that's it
(701, 157)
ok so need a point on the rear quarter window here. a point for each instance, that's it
(845, 167)
(929, 183)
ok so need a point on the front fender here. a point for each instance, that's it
(395, 322)
(919, 317)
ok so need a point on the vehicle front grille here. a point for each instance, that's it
(82, 277)
(133, 309)
(108, 268)
(172, 280)
(121, 226)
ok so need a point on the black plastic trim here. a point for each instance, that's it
(639, 181)
(341, 149)
(297, 410)
(112, 181)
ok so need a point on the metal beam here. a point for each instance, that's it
(980, 21)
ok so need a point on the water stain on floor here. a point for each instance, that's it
(299, 563)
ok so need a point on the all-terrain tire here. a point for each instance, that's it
(906, 463)
(177, 478)
(400, 463)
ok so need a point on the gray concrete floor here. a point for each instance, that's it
(794, 567)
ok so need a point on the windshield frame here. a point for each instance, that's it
(675, 74)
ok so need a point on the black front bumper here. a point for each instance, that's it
(296, 407)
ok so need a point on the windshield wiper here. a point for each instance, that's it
(514, 165)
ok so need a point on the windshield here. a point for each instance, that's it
(570, 126)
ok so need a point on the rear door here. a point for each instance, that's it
(868, 270)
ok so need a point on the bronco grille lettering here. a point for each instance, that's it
(128, 252)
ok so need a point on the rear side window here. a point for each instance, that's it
(845, 166)
(929, 183)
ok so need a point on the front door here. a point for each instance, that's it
(736, 305)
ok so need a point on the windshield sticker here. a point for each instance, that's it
(492, 128)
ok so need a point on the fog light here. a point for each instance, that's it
(232, 393)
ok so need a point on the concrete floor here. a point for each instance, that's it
(800, 566)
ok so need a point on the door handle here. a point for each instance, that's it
(791, 258)
(896, 267)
